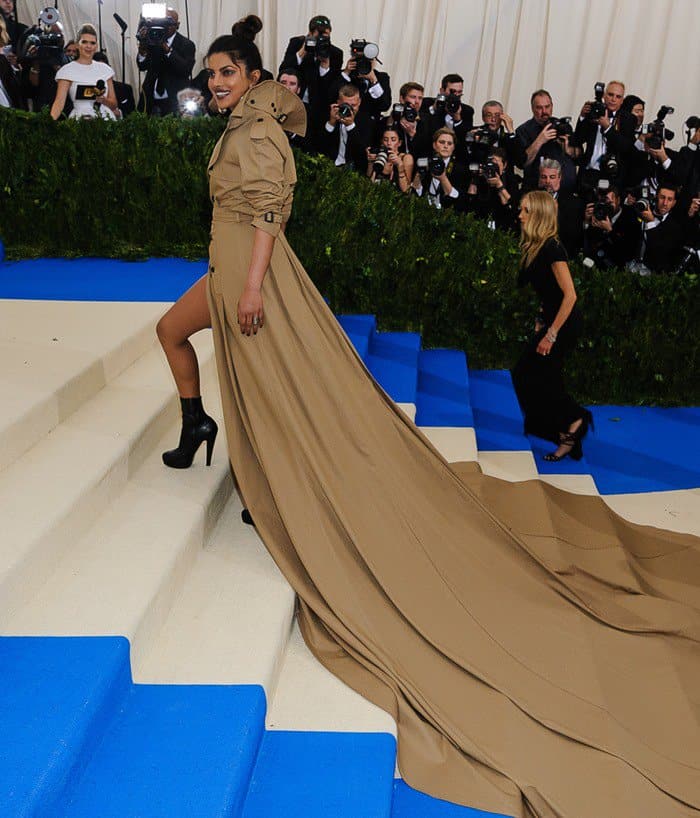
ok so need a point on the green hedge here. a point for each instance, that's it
(138, 188)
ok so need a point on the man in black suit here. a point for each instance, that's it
(686, 168)
(318, 68)
(415, 137)
(168, 66)
(570, 208)
(661, 234)
(539, 141)
(447, 110)
(611, 241)
(501, 132)
(10, 90)
(613, 133)
(374, 86)
(289, 77)
(348, 132)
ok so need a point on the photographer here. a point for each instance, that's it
(502, 132)
(90, 83)
(603, 131)
(442, 178)
(374, 85)
(570, 208)
(660, 234)
(40, 57)
(318, 64)
(611, 231)
(544, 137)
(447, 110)
(348, 132)
(388, 164)
(492, 194)
(412, 127)
(687, 166)
(167, 58)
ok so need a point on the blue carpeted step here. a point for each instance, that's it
(393, 361)
(497, 417)
(319, 775)
(359, 329)
(566, 466)
(174, 750)
(57, 695)
(443, 389)
(99, 279)
(409, 803)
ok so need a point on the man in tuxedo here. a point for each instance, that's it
(570, 207)
(661, 234)
(447, 110)
(414, 133)
(614, 133)
(539, 141)
(502, 132)
(319, 74)
(494, 197)
(374, 87)
(611, 241)
(348, 132)
(687, 169)
(168, 66)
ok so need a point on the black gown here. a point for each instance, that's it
(538, 379)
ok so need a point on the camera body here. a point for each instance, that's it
(436, 165)
(382, 157)
(405, 111)
(363, 53)
(597, 106)
(562, 125)
(449, 103)
(488, 168)
(46, 45)
(154, 24)
(610, 165)
(479, 143)
(657, 132)
(643, 199)
(319, 46)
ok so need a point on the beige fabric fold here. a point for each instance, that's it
(539, 654)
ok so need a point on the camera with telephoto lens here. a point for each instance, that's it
(562, 125)
(436, 165)
(404, 110)
(363, 53)
(657, 133)
(479, 143)
(381, 158)
(692, 123)
(42, 44)
(609, 165)
(642, 199)
(597, 106)
(319, 46)
(344, 110)
(154, 24)
(602, 208)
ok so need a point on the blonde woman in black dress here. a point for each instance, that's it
(550, 412)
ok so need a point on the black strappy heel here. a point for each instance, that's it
(572, 439)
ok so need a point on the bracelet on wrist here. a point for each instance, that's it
(551, 336)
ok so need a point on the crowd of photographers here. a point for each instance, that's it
(624, 197)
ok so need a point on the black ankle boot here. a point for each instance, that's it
(197, 427)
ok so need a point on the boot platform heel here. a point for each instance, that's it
(197, 427)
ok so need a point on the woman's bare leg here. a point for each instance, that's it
(189, 314)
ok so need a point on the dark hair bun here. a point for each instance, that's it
(247, 27)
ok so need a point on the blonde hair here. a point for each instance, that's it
(4, 35)
(540, 226)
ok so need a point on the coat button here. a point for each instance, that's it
(213, 199)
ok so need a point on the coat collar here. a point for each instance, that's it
(274, 100)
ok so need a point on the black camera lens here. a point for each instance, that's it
(437, 166)
(409, 113)
(344, 110)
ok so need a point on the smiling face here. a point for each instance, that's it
(87, 46)
(638, 111)
(228, 82)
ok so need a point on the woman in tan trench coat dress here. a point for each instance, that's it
(539, 654)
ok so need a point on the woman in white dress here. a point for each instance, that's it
(83, 79)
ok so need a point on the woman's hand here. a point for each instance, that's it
(544, 347)
(250, 311)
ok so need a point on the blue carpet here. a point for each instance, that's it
(497, 417)
(99, 279)
(409, 803)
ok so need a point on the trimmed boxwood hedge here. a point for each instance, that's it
(139, 188)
